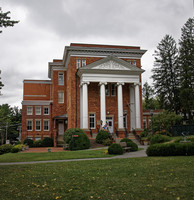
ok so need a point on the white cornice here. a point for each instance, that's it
(38, 81)
(36, 103)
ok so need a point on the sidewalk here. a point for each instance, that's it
(136, 154)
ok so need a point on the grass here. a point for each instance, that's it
(25, 157)
(163, 178)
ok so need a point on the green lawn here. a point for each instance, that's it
(24, 157)
(148, 178)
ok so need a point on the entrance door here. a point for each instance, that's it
(61, 128)
(109, 120)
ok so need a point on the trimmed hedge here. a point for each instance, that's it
(28, 142)
(159, 139)
(107, 142)
(15, 149)
(81, 141)
(171, 149)
(47, 142)
(5, 148)
(130, 143)
(115, 149)
(102, 135)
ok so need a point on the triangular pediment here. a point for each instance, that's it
(110, 64)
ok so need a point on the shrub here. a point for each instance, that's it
(71, 131)
(144, 133)
(37, 143)
(47, 142)
(107, 142)
(171, 149)
(80, 142)
(115, 149)
(130, 143)
(20, 146)
(102, 135)
(15, 149)
(159, 139)
(28, 142)
(6, 148)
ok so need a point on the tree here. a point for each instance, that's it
(166, 74)
(1, 84)
(5, 20)
(186, 62)
(148, 93)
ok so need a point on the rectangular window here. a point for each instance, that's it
(92, 120)
(113, 91)
(29, 110)
(38, 110)
(46, 125)
(134, 62)
(107, 90)
(78, 63)
(37, 138)
(60, 78)
(144, 123)
(125, 121)
(83, 62)
(61, 97)
(29, 125)
(46, 110)
(38, 125)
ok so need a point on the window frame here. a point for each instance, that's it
(60, 81)
(46, 107)
(45, 120)
(107, 88)
(78, 63)
(37, 120)
(61, 92)
(92, 117)
(83, 62)
(39, 110)
(29, 120)
(125, 121)
(113, 85)
(27, 111)
(134, 62)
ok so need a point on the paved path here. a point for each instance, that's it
(136, 154)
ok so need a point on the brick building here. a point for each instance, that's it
(91, 86)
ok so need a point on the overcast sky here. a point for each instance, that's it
(47, 26)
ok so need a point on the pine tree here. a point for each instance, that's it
(166, 73)
(5, 19)
(148, 93)
(186, 62)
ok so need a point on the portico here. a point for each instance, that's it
(111, 70)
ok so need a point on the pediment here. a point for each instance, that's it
(110, 65)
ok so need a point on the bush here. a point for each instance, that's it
(159, 139)
(144, 133)
(102, 135)
(107, 142)
(6, 148)
(28, 142)
(171, 149)
(115, 149)
(71, 131)
(37, 143)
(15, 149)
(130, 143)
(20, 146)
(47, 142)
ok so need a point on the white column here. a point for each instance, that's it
(137, 106)
(132, 107)
(102, 103)
(84, 105)
(81, 106)
(120, 105)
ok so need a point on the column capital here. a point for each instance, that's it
(137, 84)
(120, 83)
(83, 83)
(102, 83)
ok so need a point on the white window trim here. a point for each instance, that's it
(48, 110)
(35, 124)
(36, 110)
(27, 124)
(48, 124)
(78, 63)
(94, 120)
(30, 113)
(60, 73)
(61, 102)
(83, 62)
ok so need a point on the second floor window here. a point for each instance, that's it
(46, 125)
(83, 62)
(78, 63)
(38, 125)
(29, 125)
(29, 110)
(61, 97)
(113, 91)
(46, 110)
(107, 90)
(60, 78)
(38, 110)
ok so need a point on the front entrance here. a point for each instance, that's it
(109, 121)
(61, 128)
